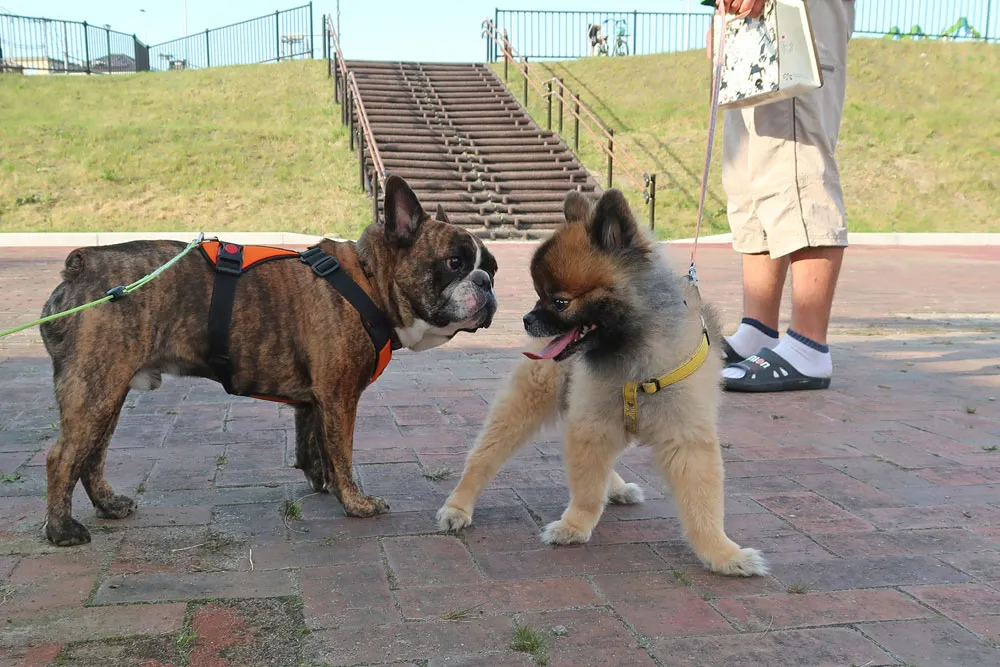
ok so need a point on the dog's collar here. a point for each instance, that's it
(654, 385)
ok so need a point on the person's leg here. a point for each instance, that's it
(798, 196)
(763, 278)
(814, 279)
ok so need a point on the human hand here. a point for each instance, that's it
(752, 8)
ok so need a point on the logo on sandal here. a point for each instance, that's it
(763, 363)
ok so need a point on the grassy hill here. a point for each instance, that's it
(256, 148)
(260, 148)
(919, 146)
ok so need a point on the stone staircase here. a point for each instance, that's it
(462, 140)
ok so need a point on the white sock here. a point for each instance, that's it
(804, 355)
(751, 336)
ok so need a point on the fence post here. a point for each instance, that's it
(548, 121)
(562, 93)
(611, 154)
(635, 28)
(277, 34)
(312, 47)
(326, 51)
(652, 202)
(989, 13)
(506, 50)
(337, 96)
(374, 195)
(208, 57)
(525, 83)
(350, 117)
(107, 35)
(361, 156)
(576, 127)
(86, 45)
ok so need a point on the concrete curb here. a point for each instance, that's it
(78, 239)
(910, 239)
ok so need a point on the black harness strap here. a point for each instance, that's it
(228, 269)
(376, 323)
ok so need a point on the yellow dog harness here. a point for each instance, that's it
(656, 384)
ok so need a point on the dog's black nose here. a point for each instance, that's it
(530, 319)
(481, 279)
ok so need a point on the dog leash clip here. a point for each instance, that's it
(692, 274)
(116, 293)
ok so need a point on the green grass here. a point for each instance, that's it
(527, 640)
(291, 510)
(254, 148)
(919, 146)
(798, 588)
(261, 148)
(438, 474)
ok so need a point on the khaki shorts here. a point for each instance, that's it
(779, 171)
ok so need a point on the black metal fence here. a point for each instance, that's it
(949, 19)
(540, 34)
(35, 44)
(283, 35)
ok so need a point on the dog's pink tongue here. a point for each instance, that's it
(554, 348)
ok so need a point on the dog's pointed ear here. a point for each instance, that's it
(403, 213)
(441, 215)
(576, 207)
(613, 227)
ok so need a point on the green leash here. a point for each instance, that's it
(112, 294)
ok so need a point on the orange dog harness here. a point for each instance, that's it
(231, 261)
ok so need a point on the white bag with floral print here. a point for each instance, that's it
(769, 58)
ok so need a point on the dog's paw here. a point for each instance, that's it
(317, 481)
(67, 533)
(745, 563)
(451, 519)
(560, 532)
(116, 507)
(366, 506)
(630, 494)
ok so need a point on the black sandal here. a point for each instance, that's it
(768, 371)
(729, 355)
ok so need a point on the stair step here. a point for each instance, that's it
(463, 141)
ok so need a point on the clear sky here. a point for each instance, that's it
(438, 30)
(377, 29)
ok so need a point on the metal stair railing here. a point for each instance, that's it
(352, 106)
(603, 136)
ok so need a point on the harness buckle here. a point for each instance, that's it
(321, 263)
(307, 255)
(326, 266)
(651, 386)
(229, 259)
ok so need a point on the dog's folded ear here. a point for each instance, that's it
(576, 207)
(403, 213)
(613, 228)
(441, 215)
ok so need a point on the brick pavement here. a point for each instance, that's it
(877, 502)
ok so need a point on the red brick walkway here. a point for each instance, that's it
(877, 502)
